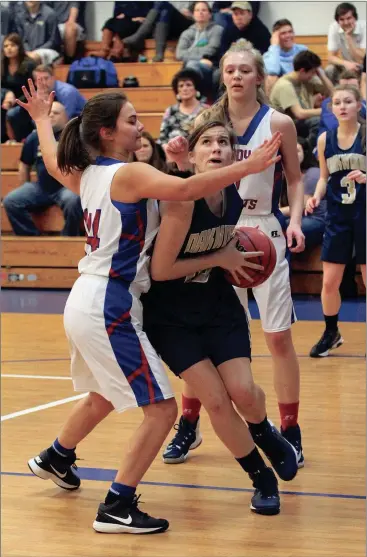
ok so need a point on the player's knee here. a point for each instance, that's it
(164, 412)
(280, 343)
(244, 396)
(99, 405)
(218, 404)
(330, 285)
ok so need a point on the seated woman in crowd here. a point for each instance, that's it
(151, 153)
(178, 117)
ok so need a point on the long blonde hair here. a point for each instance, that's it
(357, 94)
(220, 108)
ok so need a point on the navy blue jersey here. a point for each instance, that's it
(340, 162)
(193, 299)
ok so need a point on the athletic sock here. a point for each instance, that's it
(62, 451)
(191, 408)
(252, 463)
(331, 322)
(120, 491)
(288, 414)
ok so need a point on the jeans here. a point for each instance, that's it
(31, 197)
(20, 121)
(313, 228)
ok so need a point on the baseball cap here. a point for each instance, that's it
(241, 6)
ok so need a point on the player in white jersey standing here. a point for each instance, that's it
(111, 357)
(243, 105)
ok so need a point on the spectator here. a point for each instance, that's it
(346, 42)
(363, 79)
(36, 23)
(222, 13)
(5, 21)
(178, 117)
(16, 69)
(70, 23)
(35, 196)
(198, 46)
(279, 58)
(127, 18)
(151, 153)
(328, 120)
(66, 94)
(298, 94)
(313, 225)
(170, 19)
(244, 25)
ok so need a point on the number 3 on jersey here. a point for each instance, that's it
(349, 197)
(92, 226)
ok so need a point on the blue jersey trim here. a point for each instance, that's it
(106, 161)
(255, 122)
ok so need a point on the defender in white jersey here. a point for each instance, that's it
(244, 106)
(111, 357)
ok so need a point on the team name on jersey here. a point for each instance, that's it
(213, 238)
(347, 161)
(242, 153)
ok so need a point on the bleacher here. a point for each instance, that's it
(51, 261)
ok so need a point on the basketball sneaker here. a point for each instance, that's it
(48, 465)
(126, 518)
(293, 435)
(187, 438)
(266, 498)
(278, 450)
(329, 341)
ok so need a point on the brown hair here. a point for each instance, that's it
(349, 74)
(220, 109)
(44, 69)
(82, 134)
(207, 125)
(358, 98)
(22, 57)
(281, 23)
(158, 159)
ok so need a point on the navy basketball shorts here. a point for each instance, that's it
(345, 236)
(224, 337)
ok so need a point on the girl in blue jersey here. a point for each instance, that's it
(199, 326)
(342, 155)
(111, 358)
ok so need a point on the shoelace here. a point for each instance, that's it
(327, 336)
(134, 505)
(182, 436)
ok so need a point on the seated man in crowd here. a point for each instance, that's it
(299, 94)
(70, 19)
(35, 196)
(244, 25)
(279, 58)
(68, 95)
(346, 42)
(36, 23)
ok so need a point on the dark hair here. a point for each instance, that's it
(193, 5)
(306, 60)
(82, 134)
(207, 125)
(185, 75)
(343, 9)
(22, 57)
(356, 92)
(44, 69)
(349, 74)
(281, 23)
(158, 158)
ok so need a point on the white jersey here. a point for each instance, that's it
(260, 192)
(118, 234)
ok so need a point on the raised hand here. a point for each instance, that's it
(177, 150)
(265, 155)
(39, 102)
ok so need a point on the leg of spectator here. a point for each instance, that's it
(18, 205)
(104, 51)
(69, 202)
(20, 122)
(70, 38)
(137, 39)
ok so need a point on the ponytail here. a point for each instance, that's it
(71, 152)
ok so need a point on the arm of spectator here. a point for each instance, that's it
(272, 61)
(357, 53)
(73, 14)
(326, 83)
(184, 45)
(333, 58)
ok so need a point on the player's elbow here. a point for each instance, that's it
(158, 273)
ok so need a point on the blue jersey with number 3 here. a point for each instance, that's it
(340, 162)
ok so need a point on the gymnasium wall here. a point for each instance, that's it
(308, 18)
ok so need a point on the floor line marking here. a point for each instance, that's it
(42, 407)
(17, 376)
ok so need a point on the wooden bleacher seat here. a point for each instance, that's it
(49, 221)
(144, 99)
(10, 181)
(10, 156)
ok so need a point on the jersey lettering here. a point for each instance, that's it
(349, 197)
(92, 226)
(250, 204)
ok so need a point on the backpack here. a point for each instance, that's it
(92, 71)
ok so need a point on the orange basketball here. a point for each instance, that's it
(253, 239)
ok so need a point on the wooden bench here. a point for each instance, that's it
(49, 221)
(149, 50)
(10, 181)
(10, 156)
(144, 99)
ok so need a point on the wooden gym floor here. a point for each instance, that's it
(207, 498)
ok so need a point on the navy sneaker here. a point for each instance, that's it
(126, 518)
(278, 450)
(293, 436)
(187, 438)
(266, 498)
(329, 341)
(61, 470)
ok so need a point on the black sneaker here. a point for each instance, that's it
(56, 468)
(266, 498)
(329, 341)
(279, 451)
(293, 435)
(122, 518)
(187, 438)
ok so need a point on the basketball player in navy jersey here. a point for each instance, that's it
(111, 357)
(199, 327)
(244, 106)
(342, 155)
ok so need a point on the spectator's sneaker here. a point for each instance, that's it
(188, 437)
(329, 341)
(60, 470)
(293, 435)
(266, 498)
(279, 451)
(158, 58)
(123, 518)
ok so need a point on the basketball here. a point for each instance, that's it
(253, 239)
